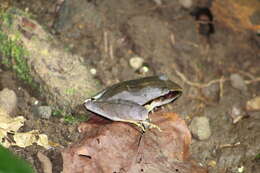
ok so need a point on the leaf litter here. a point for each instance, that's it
(120, 147)
(11, 125)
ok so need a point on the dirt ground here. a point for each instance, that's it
(167, 39)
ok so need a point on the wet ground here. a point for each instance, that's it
(166, 38)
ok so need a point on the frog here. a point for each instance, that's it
(133, 100)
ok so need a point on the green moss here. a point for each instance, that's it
(6, 18)
(70, 119)
(13, 57)
(13, 53)
(257, 156)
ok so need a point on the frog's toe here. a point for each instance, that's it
(155, 126)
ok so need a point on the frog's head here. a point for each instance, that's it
(169, 93)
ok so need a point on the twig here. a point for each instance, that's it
(253, 80)
(105, 42)
(202, 99)
(229, 145)
(221, 87)
(246, 74)
(111, 53)
(172, 38)
(220, 80)
(199, 85)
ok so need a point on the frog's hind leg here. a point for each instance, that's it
(149, 125)
(137, 123)
(144, 125)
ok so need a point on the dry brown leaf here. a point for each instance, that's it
(28, 138)
(43, 141)
(236, 14)
(24, 139)
(116, 147)
(10, 124)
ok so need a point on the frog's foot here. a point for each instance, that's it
(149, 107)
(149, 125)
(144, 125)
(137, 123)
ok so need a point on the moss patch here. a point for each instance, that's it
(13, 53)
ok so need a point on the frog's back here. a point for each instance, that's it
(139, 91)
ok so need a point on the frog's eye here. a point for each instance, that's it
(88, 100)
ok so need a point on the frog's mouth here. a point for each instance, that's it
(162, 100)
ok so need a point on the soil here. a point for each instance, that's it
(163, 49)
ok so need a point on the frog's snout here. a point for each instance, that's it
(87, 100)
(87, 103)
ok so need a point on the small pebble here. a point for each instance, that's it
(253, 104)
(186, 3)
(42, 111)
(8, 100)
(144, 70)
(212, 92)
(200, 128)
(237, 113)
(136, 62)
(34, 101)
(93, 71)
(158, 2)
(238, 82)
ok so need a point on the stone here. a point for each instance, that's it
(65, 78)
(136, 62)
(42, 111)
(144, 69)
(237, 113)
(186, 3)
(8, 100)
(158, 2)
(238, 82)
(200, 128)
(93, 71)
(212, 92)
(253, 104)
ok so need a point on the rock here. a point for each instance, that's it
(144, 70)
(238, 82)
(237, 113)
(93, 71)
(78, 11)
(34, 101)
(253, 104)
(130, 151)
(42, 111)
(200, 128)
(186, 3)
(65, 78)
(8, 100)
(136, 62)
(211, 92)
(158, 2)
